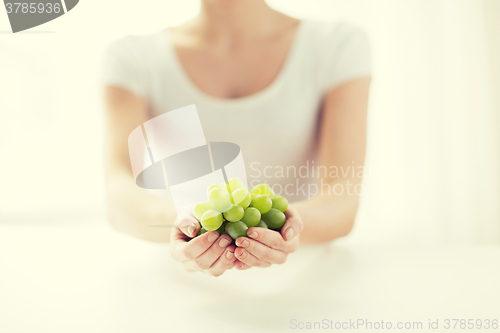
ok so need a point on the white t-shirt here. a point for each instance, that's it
(276, 128)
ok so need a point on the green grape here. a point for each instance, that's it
(222, 229)
(236, 229)
(202, 231)
(263, 189)
(262, 224)
(233, 184)
(242, 197)
(263, 203)
(274, 219)
(280, 203)
(251, 217)
(200, 209)
(219, 199)
(214, 185)
(211, 220)
(234, 214)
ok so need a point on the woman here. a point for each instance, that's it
(292, 94)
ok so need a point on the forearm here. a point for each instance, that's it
(327, 217)
(136, 211)
(342, 143)
(131, 209)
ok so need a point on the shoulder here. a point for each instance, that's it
(340, 52)
(136, 46)
(128, 62)
(331, 34)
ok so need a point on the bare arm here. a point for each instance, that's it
(342, 144)
(130, 209)
(326, 216)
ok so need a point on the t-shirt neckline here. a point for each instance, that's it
(258, 96)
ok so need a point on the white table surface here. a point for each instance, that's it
(85, 277)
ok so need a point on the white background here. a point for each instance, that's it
(434, 116)
(433, 137)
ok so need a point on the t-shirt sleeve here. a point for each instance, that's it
(122, 67)
(347, 57)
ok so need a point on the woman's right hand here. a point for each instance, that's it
(209, 253)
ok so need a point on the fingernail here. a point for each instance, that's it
(244, 243)
(243, 254)
(229, 255)
(289, 234)
(191, 228)
(224, 242)
(184, 222)
(253, 235)
(213, 236)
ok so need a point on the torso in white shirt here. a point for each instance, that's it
(276, 128)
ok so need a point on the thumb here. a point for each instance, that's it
(188, 224)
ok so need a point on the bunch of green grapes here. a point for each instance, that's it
(232, 209)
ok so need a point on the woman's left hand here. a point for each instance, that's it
(265, 247)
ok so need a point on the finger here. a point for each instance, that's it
(293, 225)
(267, 237)
(208, 258)
(244, 266)
(223, 263)
(265, 264)
(261, 251)
(191, 266)
(188, 224)
(249, 259)
(183, 250)
(241, 266)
